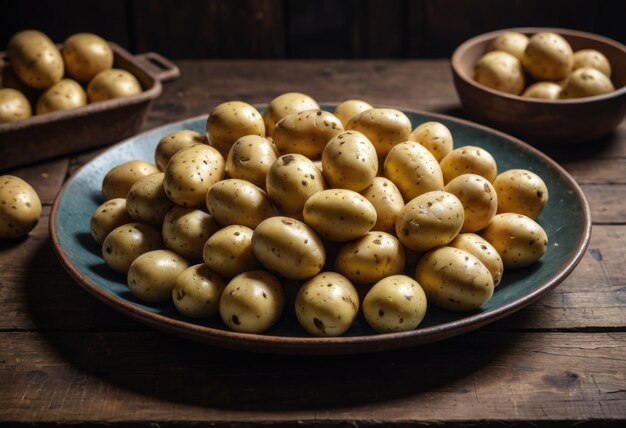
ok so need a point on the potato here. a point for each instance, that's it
(111, 84)
(108, 216)
(250, 158)
(519, 240)
(349, 161)
(479, 200)
(543, 90)
(186, 230)
(190, 174)
(430, 220)
(454, 279)
(483, 251)
(252, 302)
(521, 191)
(9, 80)
(147, 202)
(288, 247)
(387, 200)
(291, 180)
(370, 258)
(125, 243)
(413, 169)
(586, 82)
(306, 132)
(230, 121)
(500, 71)
(152, 276)
(64, 95)
(395, 303)
(119, 180)
(384, 127)
(548, 56)
(284, 105)
(20, 207)
(13, 106)
(197, 292)
(468, 160)
(175, 142)
(350, 108)
(235, 201)
(327, 304)
(592, 58)
(86, 55)
(35, 59)
(511, 42)
(339, 214)
(435, 137)
(229, 251)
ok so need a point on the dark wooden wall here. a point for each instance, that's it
(302, 28)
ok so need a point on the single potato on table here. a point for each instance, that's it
(20, 207)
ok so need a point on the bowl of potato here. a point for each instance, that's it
(549, 86)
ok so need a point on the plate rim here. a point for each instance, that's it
(328, 345)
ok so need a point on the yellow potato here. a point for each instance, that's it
(197, 292)
(435, 137)
(543, 90)
(35, 59)
(468, 160)
(511, 42)
(13, 106)
(235, 201)
(250, 158)
(387, 200)
(64, 95)
(111, 84)
(521, 191)
(20, 207)
(483, 251)
(229, 251)
(186, 230)
(306, 132)
(108, 216)
(174, 143)
(413, 169)
(384, 127)
(121, 178)
(125, 243)
(86, 55)
(152, 275)
(500, 71)
(147, 202)
(9, 80)
(586, 82)
(350, 108)
(349, 161)
(284, 105)
(592, 58)
(548, 56)
(230, 121)
(479, 199)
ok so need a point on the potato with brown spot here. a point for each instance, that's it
(548, 56)
(186, 230)
(349, 161)
(586, 82)
(108, 216)
(413, 169)
(85, 55)
(229, 251)
(348, 109)
(112, 84)
(152, 276)
(147, 202)
(20, 207)
(483, 251)
(384, 127)
(230, 121)
(125, 243)
(500, 71)
(479, 199)
(511, 42)
(306, 132)
(234, 201)
(64, 95)
(284, 105)
(521, 191)
(14, 106)
(173, 143)
(469, 160)
(35, 59)
(592, 58)
(250, 158)
(435, 137)
(118, 181)
(197, 292)
(387, 200)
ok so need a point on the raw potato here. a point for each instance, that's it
(20, 207)
(384, 127)
(454, 279)
(586, 82)
(147, 202)
(235, 201)
(592, 58)
(108, 216)
(9, 80)
(370, 258)
(230, 121)
(483, 251)
(64, 95)
(350, 108)
(349, 161)
(284, 105)
(174, 143)
(519, 240)
(288, 247)
(186, 230)
(291, 180)
(250, 158)
(521, 191)
(229, 251)
(339, 214)
(191, 173)
(197, 292)
(111, 84)
(152, 276)
(500, 71)
(469, 160)
(479, 200)
(327, 304)
(252, 302)
(413, 169)
(430, 220)
(125, 243)
(306, 132)
(548, 56)
(121, 178)
(395, 303)
(543, 90)
(35, 59)
(387, 200)
(435, 137)
(511, 42)
(86, 55)
(13, 106)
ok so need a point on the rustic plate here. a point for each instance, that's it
(566, 220)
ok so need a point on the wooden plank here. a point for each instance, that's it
(598, 171)
(607, 202)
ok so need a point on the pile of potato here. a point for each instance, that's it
(54, 79)
(339, 204)
(543, 66)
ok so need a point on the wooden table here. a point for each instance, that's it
(67, 358)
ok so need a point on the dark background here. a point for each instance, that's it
(302, 28)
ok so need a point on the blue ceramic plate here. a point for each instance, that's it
(566, 220)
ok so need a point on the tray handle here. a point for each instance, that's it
(161, 67)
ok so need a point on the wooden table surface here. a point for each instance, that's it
(67, 358)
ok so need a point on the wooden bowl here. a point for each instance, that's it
(546, 123)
